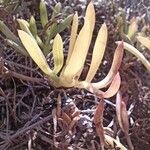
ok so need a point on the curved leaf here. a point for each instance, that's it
(76, 63)
(111, 74)
(56, 9)
(98, 52)
(139, 55)
(114, 68)
(16, 47)
(114, 87)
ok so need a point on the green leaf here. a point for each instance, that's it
(57, 28)
(16, 47)
(32, 26)
(56, 10)
(24, 25)
(6, 31)
(12, 40)
(33, 29)
(43, 13)
(54, 29)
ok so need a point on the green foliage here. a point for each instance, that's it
(43, 37)
(10, 5)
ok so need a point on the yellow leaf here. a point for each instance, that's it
(90, 14)
(34, 51)
(133, 27)
(24, 25)
(98, 52)
(76, 63)
(111, 74)
(114, 68)
(136, 52)
(73, 36)
(58, 53)
(113, 143)
(144, 41)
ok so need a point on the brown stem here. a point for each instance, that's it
(24, 77)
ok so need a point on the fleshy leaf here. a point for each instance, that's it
(43, 13)
(58, 53)
(111, 74)
(12, 39)
(113, 143)
(34, 51)
(16, 47)
(144, 41)
(114, 68)
(80, 50)
(132, 28)
(98, 120)
(32, 26)
(139, 55)
(6, 31)
(114, 87)
(65, 23)
(98, 52)
(56, 9)
(73, 36)
(54, 29)
(57, 28)
(24, 25)
(122, 116)
(119, 110)
(33, 29)
(90, 15)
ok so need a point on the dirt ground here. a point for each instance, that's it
(28, 108)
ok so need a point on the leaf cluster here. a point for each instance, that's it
(43, 37)
(67, 74)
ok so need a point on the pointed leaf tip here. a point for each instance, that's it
(34, 51)
(98, 52)
(58, 53)
(114, 87)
